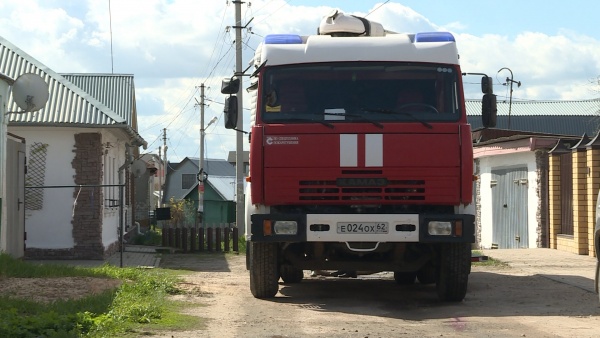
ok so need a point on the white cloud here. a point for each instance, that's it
(173, 46)
(549, 67)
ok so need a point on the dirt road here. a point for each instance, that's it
(501, 302)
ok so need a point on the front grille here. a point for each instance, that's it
(395, 190)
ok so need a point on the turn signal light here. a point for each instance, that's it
(267, 227)
(458, 228)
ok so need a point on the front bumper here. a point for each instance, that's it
(399, 228)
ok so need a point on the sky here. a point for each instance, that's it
(172, 47)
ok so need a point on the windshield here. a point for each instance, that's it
(370, 92)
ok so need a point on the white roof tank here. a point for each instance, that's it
(337, 23)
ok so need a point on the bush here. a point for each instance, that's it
(150, 237)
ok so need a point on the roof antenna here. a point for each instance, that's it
(112, 70)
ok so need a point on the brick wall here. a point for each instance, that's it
(541, 159)
(87, 218)
(593, 185)
(586, 184)
(580, 209)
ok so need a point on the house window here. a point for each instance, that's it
(188, 181)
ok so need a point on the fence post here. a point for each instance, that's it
(193, 239)
(171, 237)
(236, 237)
(218, 237)
(165, 236)
(209, 239)
(226, 239)
(201, 233)
(184, 239)
(178, 238)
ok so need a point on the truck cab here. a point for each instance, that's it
(360, 157)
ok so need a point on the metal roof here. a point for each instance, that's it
(551, 117)
(115, 91)
(216, 167)
(224, 186)
(68, 104)
(539, 108)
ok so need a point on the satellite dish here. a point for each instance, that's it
(138, 168)
(30, 92)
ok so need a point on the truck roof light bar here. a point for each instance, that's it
(434, 37)
(283, 39)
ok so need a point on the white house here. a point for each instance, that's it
(76, 147)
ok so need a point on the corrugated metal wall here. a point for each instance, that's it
(509, 208)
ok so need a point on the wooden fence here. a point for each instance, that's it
(209, 238)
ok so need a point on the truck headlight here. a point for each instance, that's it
(438, 228)
(285, 227)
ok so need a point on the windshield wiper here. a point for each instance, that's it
(393, 112)
(377, 124)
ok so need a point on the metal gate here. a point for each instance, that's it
(509, 201)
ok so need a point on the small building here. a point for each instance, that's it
(219, 189)
(513, 193)
(77, 146)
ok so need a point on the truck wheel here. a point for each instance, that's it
(264, 274)
(289, 274)
(426, 275)
(453, 271)
(404, 277)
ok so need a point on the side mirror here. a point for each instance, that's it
(489, 110)
(487, 86)
(230, 85)
(231, 112)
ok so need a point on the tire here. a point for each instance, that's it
(404, 277)
(290, 275)
(453, 271)
(264, 274)
(426, 275)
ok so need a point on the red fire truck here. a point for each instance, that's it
(360, 156)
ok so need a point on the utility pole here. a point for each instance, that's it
(161, 167)
(202, 172)
(165, 163)
(239, 153)
(201, 163)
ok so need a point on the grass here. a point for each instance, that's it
(139, 304)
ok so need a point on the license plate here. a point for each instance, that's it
(362, 228)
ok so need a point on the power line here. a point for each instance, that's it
(378, 7)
